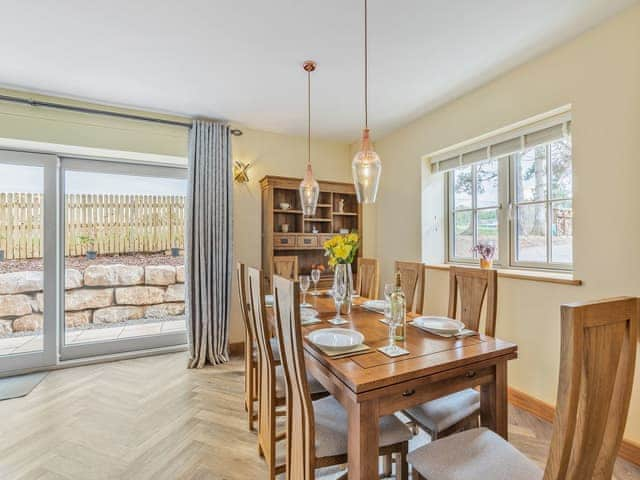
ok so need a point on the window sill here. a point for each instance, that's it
(531, 275)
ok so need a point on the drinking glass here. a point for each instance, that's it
(304, 286)
(339, 294)
(388, 290)
(315, 278)
(393, 321)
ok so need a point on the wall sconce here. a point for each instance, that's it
(240, 172)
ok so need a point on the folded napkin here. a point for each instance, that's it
(311, 321)
(358, 349)
(465, 332)
(371, 309)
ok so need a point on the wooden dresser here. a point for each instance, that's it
(304, 236)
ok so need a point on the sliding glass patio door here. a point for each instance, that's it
(28, 292)
(123, 251)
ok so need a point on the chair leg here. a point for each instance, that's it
(387, 462)
(402, 468)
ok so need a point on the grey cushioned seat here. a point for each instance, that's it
(275, 348)
(442, 413)
(314, 385)
(473, 455)
(331, 424)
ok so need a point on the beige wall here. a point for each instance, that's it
(269, 154)
(598, 73)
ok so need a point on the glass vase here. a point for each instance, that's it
(345, 270)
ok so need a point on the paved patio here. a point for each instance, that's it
(33, 343)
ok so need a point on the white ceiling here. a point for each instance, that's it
(241, 59)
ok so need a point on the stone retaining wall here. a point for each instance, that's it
(100, 294)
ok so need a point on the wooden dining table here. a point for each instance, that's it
(370, 385)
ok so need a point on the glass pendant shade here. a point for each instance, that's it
(309, 193)
(366, 168)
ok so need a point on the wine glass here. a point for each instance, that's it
(315, 278)
(388, 290)
(339, 294)
(393, 321)
(305, 281)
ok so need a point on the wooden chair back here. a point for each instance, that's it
(473, 285)
(249, 342)
(244, 306)
(598, 356)
(412, 277)
(266, 367)
(368, 280)
(300, 418)
(286, 266)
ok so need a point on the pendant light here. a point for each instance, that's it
(309, 188)
(366, 166)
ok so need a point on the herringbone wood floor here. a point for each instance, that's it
(151, 418)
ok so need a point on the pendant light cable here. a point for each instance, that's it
(308, 116)
(366, 69)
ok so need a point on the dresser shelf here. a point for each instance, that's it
(300, 240)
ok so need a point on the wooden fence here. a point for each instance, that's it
(117, 224)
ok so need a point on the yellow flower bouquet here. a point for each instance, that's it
(342, 248)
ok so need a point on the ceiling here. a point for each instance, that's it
(240, 60)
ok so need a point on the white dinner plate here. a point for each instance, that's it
(336, 339)
(444, 325)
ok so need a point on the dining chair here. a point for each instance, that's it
(317, 431)
(271, 380)
(459, 411)
(250, 353)
(597, 361)
(286, 266)
(368, 279)
(413, 278)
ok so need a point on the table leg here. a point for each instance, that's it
(364, 434)
(494, 403)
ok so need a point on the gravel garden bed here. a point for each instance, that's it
(81, 263)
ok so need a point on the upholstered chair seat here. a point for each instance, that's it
(331, 428)
(442, 413)
(315, 388)
(275, 350)
(470, 455)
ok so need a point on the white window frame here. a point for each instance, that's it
(548, 203)
(502, 259)
(507, 219)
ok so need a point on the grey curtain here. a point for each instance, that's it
(209, 243)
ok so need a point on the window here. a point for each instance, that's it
(542, 206)
(476, 203)
(522, 203)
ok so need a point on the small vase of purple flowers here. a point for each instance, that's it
(485, 251)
